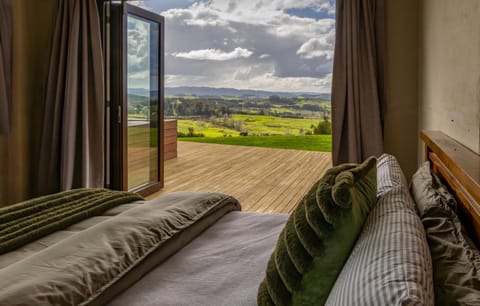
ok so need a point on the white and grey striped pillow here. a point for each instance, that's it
(389, 175)
(390, 263)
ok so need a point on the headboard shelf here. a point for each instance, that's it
(459, 168)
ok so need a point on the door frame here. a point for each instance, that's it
(117, 104)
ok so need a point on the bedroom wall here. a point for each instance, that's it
(450, 70)
(32, 23)
(401, 82)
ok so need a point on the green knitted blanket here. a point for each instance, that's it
(30, 220)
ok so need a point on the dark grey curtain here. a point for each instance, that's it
(357, 86)
(5, 65)
(72, 143)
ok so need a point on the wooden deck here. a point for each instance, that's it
(262, 179)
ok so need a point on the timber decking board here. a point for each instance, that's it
(262, 179)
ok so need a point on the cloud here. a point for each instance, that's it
(271, 14)
(270, 46)
(265, 81)
(214, 54)
(318, 47)
(326, 6)
(138, 53)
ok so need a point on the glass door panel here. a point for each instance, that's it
(142, 101)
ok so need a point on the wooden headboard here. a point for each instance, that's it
(459, 169)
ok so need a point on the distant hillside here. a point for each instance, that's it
(228, 92)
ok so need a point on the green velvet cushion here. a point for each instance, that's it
(319, 235)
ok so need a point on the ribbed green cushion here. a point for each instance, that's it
(319, 235)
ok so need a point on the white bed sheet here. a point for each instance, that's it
(222, 266)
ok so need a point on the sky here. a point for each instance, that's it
(275, 45)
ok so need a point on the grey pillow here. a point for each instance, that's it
(422, 190)
(456, 261)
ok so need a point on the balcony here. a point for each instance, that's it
(262, 179)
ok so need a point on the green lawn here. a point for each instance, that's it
(321, 143)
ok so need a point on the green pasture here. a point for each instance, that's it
(205, 128)
(283, 133)
(321, 143)
(255, 125)
(258, 125)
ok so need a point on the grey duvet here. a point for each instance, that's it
(222, 266)
(94, 260)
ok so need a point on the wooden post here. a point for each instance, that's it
(170, 149)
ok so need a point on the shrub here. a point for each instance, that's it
(190, 133)
(323, 128)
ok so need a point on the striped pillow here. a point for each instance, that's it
(390, 263)
(389, 175)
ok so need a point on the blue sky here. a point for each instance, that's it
(284, 45)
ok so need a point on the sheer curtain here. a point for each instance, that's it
(5, 65)
(72, 142)
(357, 86)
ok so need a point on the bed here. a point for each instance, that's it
(199, 248)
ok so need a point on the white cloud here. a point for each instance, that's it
(206, 18)
(214, 54)
(318, 47)
(138, 42)
(270, 14)
(326, 6)
(258, 76)
(274, 49)
(266, 81)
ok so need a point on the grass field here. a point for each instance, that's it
(279, 108)
(321, 143)
(254, 124)
(285, 131)
(205, 128)
(257, 124)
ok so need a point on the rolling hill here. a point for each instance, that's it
(228, 92)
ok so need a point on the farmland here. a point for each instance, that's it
(246, 118)
(255, 130)
(254, 125)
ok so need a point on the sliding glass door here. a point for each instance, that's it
(137, 99)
